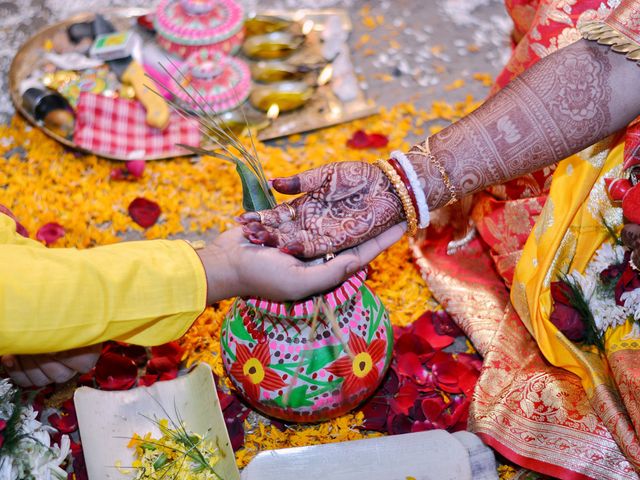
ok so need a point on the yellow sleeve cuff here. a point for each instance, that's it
(146, 293)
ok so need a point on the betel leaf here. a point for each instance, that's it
(254, 197)
(323, 356)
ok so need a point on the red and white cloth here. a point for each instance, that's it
(117, 127)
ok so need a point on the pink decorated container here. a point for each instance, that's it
(185, 27)
(286, 368)
(219, 81)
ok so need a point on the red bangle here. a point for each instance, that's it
(403, 176)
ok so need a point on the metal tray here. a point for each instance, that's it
(323, 110)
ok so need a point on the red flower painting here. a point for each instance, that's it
(252, 369)
(359, 370)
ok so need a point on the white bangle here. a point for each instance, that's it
(423, 209)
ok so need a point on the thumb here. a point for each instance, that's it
(303, 182)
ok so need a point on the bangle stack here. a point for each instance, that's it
(404, 179)
(409, 176)
(403, 192)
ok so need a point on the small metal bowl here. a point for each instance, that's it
(263, 24)
(272, 46)
(277, 71)
(286, 95)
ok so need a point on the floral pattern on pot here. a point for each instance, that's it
(289, 368)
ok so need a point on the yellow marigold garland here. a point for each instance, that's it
(43, 182)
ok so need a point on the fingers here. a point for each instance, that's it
(80, 360)
(319, 278)
(303, 243)
(26, 372)
(282, 213)
(308, 181)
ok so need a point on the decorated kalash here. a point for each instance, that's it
(199, 77)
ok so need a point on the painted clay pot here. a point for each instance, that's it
(288, 366)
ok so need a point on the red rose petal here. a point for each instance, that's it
(445, 325)
(409, 365)
(136, 167)
(375, 414)
(432, 408)
(404, 399)
(3, 425)
(618, 189)
(424, 327)
(1, 440)
(398, 424)
(358, 140)
(50, 232)
(144, 212)
(136, 353)
(172, 350)
(447, 375)
(19, 227)
(410, 342)
(235, 429)
(631, 204)
(147, 380)
(64, 423)
(115, 372)
(118, 174)
(377, 140)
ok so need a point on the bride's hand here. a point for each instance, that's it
(345, 204)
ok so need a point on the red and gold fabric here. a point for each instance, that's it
(542, 401)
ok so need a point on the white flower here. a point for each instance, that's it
(604, 257)
(632, 302)
(587, 284)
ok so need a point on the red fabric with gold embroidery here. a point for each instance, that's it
(533, 413)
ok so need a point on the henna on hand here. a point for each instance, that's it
(346, 203)
(566, 102)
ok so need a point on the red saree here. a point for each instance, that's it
(537, 415)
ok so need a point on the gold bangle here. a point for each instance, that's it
(426, 151)
(403, 193)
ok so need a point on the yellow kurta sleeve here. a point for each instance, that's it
(145, 293)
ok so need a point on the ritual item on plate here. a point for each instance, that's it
(312, 360)
(286, 95)
(115, 48)
(116, 127)
(272, 46)
(217, 82)
(184, 27)
(262, 24)
(51, 108)
(100, 81)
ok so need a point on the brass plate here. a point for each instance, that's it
(323, 110)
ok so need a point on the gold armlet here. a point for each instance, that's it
(424, 150)
(605, 34)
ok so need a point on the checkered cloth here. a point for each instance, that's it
(117, 127)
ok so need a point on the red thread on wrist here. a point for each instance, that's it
(403, 176)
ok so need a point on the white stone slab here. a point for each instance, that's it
(108, 419)
(432, 455)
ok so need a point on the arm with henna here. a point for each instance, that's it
(566, 102)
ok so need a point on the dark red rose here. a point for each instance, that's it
(612, 273)
(3, 424)
(569, 321)
(629, 280)
(115, 372)
(1, 440)
(144, 212)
